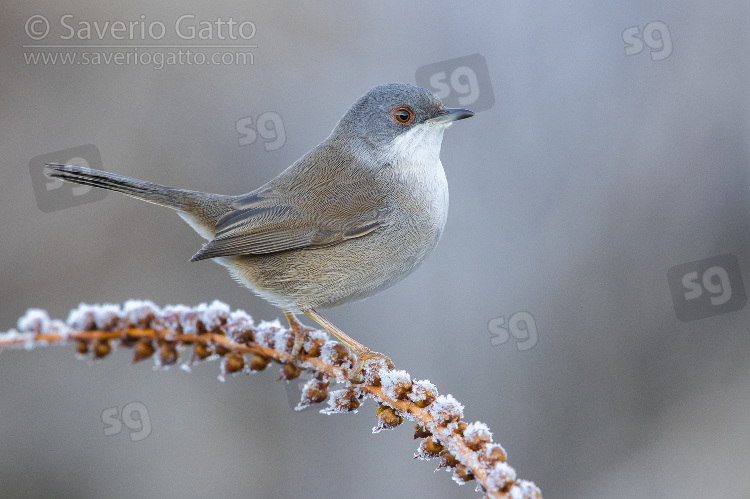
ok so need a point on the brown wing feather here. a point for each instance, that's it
(277, 217)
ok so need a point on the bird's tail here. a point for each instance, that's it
(146, 191)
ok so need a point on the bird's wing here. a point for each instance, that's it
(274, 219)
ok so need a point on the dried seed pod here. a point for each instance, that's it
(429, 448)
(200, 352)
(335, 354)
(167, 353)
(139, 314)
(258, 362)
(524, 489)
(82, 347)
(284, 341)
(476, 435)
(102, 348)
(460, 427)
(421, 432)
(396, 384)
(143, 350)
(312, 346)
(423, 393)
(128, 341)
(82, 318)
(388, 418)
(239, 332)
(221, 350)
(233, 362)
(346, 400)
(501, 477)
(290, 371)
(314, 392)
(448, 460)
(171, 320)
(107, 317)
(446, 410)
(462, 473)
(493, 452)
(191, 322)
(239, 327)
(265, 333)
(371, 371)
(214, 316)
(35, 320)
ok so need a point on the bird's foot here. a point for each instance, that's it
(362, 352)
(300, 333)
(363, 355)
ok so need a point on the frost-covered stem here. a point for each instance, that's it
(215, 332)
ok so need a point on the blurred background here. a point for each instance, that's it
(587, 300)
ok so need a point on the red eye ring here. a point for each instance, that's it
(403, 115)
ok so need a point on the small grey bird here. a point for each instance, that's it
(350, 218)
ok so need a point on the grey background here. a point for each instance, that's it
(591, 176)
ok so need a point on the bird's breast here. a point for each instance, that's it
(419, 208)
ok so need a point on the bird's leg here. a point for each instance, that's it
(361, 351)
(300, 332)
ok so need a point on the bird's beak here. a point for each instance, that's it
(448, 115)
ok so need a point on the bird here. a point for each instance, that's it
(350, 218)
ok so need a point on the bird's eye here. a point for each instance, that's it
(403, 115)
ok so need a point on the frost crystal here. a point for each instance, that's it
(214, 314)
(107, 316)
(340, 401)
(239, 327)
(82, 318)
(372, 370)
(446, 410)
(499, 475)
(266, 331)
(396, 384)
(477, 432)
(428, 449)
(335, 354)
(16, 337)
(314, 392)
(525, 489)
(139, 313)
(312, 337)
(56, 326)
(172, 318)
(423, 393)
(388, 419)
(461, 480)
(283, 340)
(35, 320)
